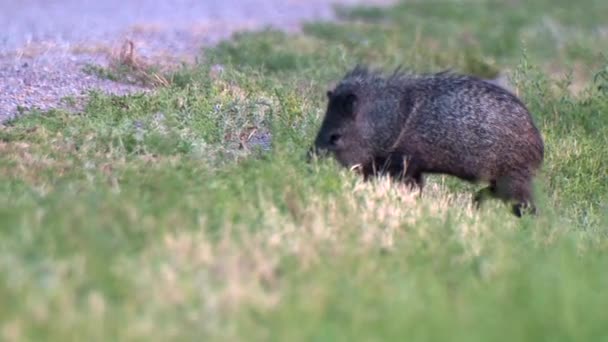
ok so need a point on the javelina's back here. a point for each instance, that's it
(469, 128)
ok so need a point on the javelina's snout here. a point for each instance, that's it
(327, 141)
(323, 145)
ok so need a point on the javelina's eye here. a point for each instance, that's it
(334, 139)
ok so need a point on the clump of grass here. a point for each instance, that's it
(601, 80)
(125, 66)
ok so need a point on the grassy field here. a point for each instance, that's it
(161, 216)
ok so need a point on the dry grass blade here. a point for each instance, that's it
(127, 55)
(133, 69)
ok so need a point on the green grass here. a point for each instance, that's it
(155, 217)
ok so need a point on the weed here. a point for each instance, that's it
(126, 67)
(155, 217)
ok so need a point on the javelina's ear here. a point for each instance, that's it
(329, 94)
(349, 104)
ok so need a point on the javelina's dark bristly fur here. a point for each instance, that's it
(433, 123)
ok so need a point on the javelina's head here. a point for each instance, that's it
(342, 131)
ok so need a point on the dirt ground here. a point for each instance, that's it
(45, 44)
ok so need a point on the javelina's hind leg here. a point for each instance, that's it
(518, 190)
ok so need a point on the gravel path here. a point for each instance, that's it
(45, 44)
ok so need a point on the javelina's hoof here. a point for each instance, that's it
(521, 209)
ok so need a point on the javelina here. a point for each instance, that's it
(408, 125)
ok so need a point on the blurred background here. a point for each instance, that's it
(64, 22)
(56, 39)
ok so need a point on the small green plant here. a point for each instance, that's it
(127, 68)
(601, 80)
